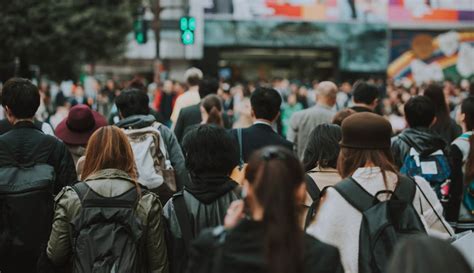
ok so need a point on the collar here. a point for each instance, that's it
(366, 173)
(261, 121)
(25, 124)
(109, 174)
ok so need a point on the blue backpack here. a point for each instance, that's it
(434, 168)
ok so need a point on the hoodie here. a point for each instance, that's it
(171, 143)
(423, 140)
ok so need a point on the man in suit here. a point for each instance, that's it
(266, 103)
(191, 115)
(365, 96)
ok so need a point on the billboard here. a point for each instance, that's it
(431, 10)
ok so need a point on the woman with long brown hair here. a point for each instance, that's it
(462, 190)
(108, 221)
(365, 161)
(263, 233)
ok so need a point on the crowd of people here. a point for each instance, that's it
(210, 176)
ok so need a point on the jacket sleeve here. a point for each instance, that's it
(174, 242)
(176, 157)
(64, 167)
(155, 236)
(201, 253)
(179, 127)
(59, 245)
(396, 152)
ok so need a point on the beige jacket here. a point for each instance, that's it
(108, 183)
(338, 223)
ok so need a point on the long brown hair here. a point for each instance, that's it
(213, 106)
(351, 159)
(275, 175)
(108, 148)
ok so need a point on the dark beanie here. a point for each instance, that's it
(366, 131)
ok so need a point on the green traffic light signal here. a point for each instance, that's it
(140, 29)
(183, 23)
(187, 26)
(191, 23)
(187, 37)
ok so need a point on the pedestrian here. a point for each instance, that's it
(289, 108)
(158, 156)
(63, 106)
(211, 155)
(444, 125)
(461, 208)
(372, 184)
(108, 222)
(365, 97)
(164, 100)
(33, 168)
(340, 116)
(262, 233)
(303, 122)
(211, 110)
(191, 97)
(76, 129)
(266, 103)
(320, 161)
(191, 115)
(417, 146)
(423, 254)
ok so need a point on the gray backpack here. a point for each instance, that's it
(107, 234)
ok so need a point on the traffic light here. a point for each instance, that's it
(140, 28)
(187, 26)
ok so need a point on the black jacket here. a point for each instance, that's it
(206, 201)
(242, 251)
(423, 140)
(190, 116)
(258, 136)
(24, 144)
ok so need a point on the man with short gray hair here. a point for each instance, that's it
(303, 122)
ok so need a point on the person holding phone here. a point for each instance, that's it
(262, 233)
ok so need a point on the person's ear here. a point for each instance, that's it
(301, 193)
(276, 117)
(9, 115)
(120, 115)
(375, 103)
(253, 114)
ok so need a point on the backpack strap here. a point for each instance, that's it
(405, 189)
(241, 154)
(183, 219)
(315, 194)
(354, 194)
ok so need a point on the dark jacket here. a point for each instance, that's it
(242, 251)
(25, 143)
(447, 128)
(172, 145)
(206, 201)
(190, 116)
(109, 183)
(423, 140)
(258, 136)
(5, 126)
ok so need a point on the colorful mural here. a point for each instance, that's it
(426, 56)
(431, 10)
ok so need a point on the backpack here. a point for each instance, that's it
(151, 158)
(315, 193)
(26, 208)
(384, 223)
(434, 168)
(107, 235)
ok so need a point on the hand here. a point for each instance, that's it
(235, 213)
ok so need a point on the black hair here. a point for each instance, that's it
(212, 104)
(132, 102)
(467, 108)
(210, 149)
(323, 147)
(420, 254)
(275, 174)
(436, 94)
(364, 92)
(419, 111)
(208, 86)
(266, 103)
(22, 97)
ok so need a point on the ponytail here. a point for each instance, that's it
(275, 182)
(215, 117)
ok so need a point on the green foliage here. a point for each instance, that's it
(60, 35)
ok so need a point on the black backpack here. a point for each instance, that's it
(107, 234)
(26, 209)
(384, 223)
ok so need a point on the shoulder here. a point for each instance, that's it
(316, 248)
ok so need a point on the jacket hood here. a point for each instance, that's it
(208, 189)
(136, 121)
(423, 140)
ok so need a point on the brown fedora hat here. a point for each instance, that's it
(79, 125)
